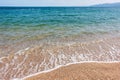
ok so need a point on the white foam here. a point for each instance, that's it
(27, 48)
(22, 51)
(16, 79)
(3, 58)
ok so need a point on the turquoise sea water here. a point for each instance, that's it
(38, 23)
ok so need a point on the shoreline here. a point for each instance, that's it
(60, 66)
(49, 57)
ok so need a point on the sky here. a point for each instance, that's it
(54, 2)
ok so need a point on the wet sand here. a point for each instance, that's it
(83, 71)
(48, 56)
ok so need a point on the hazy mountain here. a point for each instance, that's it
(108, 5)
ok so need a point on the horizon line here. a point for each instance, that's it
(44, 6)
(55, 5)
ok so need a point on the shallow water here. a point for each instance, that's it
(31, 24)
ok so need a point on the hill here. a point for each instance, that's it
(108, 5)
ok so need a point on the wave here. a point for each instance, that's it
(49, 56)
(67, 65)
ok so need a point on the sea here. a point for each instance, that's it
(43, 38)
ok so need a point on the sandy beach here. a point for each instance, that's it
(83, 71)
(49, 56)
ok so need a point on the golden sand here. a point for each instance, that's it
(83, 71)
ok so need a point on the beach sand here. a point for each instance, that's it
(83, 71)
(49, 56)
